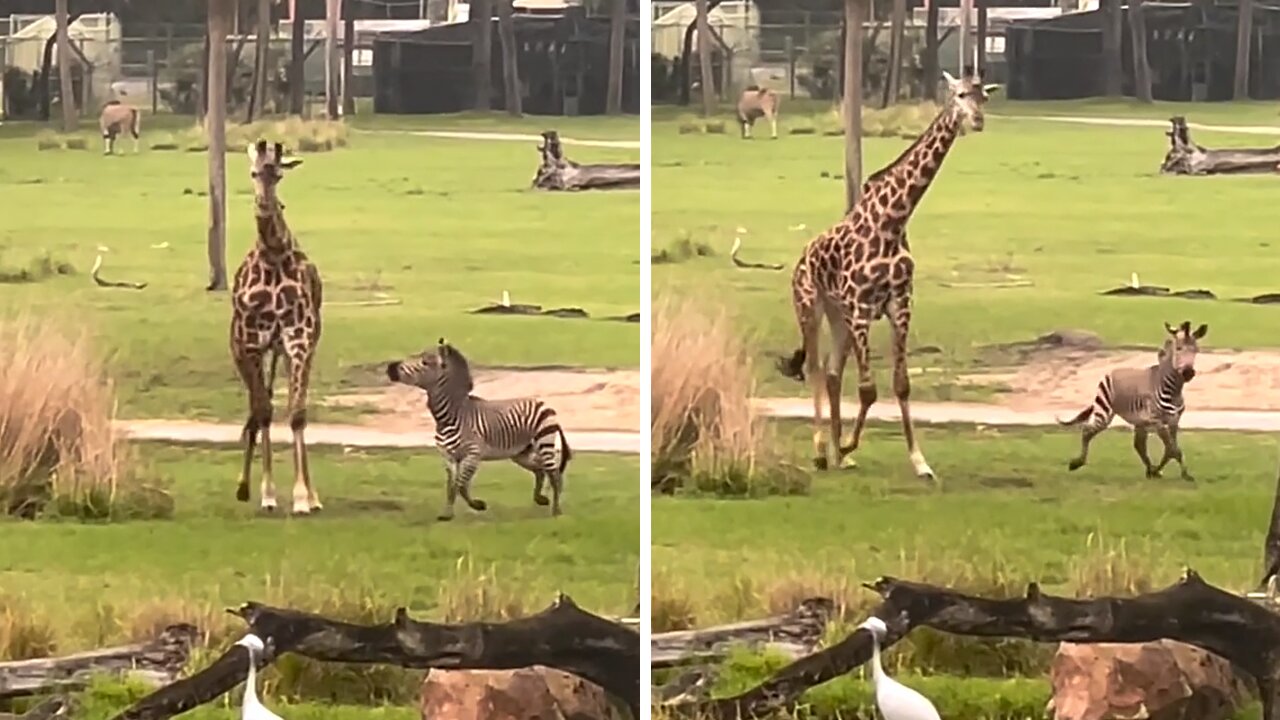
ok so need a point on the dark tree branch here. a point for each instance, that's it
(1190, 611)
(1185, 157)
(557, 172)
(563, 636)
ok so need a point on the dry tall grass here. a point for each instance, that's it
(56, 409)
(703, 426)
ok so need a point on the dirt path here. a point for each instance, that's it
(1143, 122)
(504, 137)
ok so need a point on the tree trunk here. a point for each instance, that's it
(348, 60)
(1138, 39)
(686, 55)
(262, 39)
(1244, 43)
(966, 35)
(297, 88)
(981, 49)
(1112, 70)
(215, 128)
(930, 63)
(332, 10)
(510, 58)
(897, 38)
(481, 22)
(66, 93)
(852, 102)
(617, 36)
(704, 58)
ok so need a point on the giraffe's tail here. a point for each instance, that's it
(793, 366)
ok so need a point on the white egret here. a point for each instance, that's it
(895, 700)
(506, 299)
(252, 708)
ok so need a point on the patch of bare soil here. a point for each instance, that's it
(1067, 377)
(583, 399)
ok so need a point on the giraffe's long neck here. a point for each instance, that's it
(898, 188)
(273, 232)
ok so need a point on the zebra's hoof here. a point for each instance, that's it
(479, 505)
(1153, 473)
(1075, 464)
(541, 500)
(1187, 477)
(444, 518)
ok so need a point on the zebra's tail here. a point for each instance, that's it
(565, 453)
(1084, 414)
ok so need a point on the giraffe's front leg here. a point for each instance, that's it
(305, 499)
(900, 319)
(268, 482)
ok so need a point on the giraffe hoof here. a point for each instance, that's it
(541, 500)
(242, 493)
(1075, 465)
(820, 463)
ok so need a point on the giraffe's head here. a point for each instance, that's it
(433, 368)
(965, 98)
(267, 165)
(1180, 348)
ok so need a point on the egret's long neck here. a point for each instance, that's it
(876, 671)
(251, 682)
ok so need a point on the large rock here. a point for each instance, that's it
(1163, 680)
(536, 693)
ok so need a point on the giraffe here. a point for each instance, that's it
(275, 308)
(861, 269)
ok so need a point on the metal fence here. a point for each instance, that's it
(160, 67)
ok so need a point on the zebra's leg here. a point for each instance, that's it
(450, 489)
(1096, 423)
(557, 485)
(1169, 436)
(529, 461)
(466, 472)
(900, 319)
(1140, 434)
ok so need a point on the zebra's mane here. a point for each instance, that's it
(457, 369)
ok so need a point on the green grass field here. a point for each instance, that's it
(382, 215)
(1074, 209)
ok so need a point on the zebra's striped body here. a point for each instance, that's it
(755, 103)
(471, 430)
(117, 118)
(1149, 399)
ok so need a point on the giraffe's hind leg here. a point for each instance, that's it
(268, 480)
(305, 499)
(249, 365)
(858, 320)
(900, 320)
(841, 344)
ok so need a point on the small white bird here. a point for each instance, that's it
(797, 227)
(1133, 280)
(506, 299)
(252, 708)
(895, 700)
(742, 230)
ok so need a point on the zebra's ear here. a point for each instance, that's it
(1200, 332)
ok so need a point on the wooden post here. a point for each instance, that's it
(66, 93)
(704, 58)
(215, 128)
(333, 8)
(982, 38)
(510, 64)
(617, 36)
(1138, 39)
(481, 22)
(297, 87)
(262, 45)
(153, 75)
(1110, 67)
(966, 35)
(897, 32)
(791, 67)
(931, 71)
(852, 102)
(348, 58)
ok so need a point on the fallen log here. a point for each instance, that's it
(157, 662)
(557, 172)
(795, 634)
(1185, 157)
(1190, 611)
(563, 636)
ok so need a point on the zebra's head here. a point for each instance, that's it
(966, 96)
(1180, 348)
(267, 165)
(439, 368)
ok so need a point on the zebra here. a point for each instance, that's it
(1148, 399)
(755, 103)
(470, 430)
(115, 119)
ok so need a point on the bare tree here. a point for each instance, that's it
(853, 10)
(215, 126)
(897, 38)
(617, 36)
(66, 94)
(966, 34)
(262, 46)
(297, 88)
(1244, 45)
(1138, 39)
(481, 21)
(510, 62)
(1112, 72)
(704, 58)
(332, 10)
